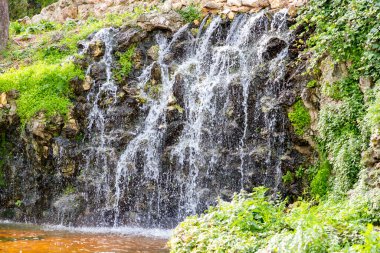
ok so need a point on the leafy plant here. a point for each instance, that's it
(299, 117)
(252, 222)
(190, 13)
(125, 63)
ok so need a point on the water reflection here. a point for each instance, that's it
(31, 239)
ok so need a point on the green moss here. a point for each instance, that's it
(43, 87)
(70, 189)
(299, 117)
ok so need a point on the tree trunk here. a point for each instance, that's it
(4, 23)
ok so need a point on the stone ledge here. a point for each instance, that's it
(81, 9)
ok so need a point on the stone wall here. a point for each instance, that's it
(75, 9)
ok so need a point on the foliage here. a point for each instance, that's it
(53, 42)
(37, 64)
(319, 180)
(21, 8)
(42, 87)
(17, 28)
(252, 222)
(125, 63)
(340, 131)
(190, 13)
(288, 178)
(339, 29)
(299, 117)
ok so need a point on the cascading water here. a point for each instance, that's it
(214, 127)
(218, 66)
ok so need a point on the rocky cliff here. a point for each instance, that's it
(167, 117)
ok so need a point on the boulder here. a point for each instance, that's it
(126, 36)
(96, 49)
(212, 5)
(278, 4)
(256, 3)
(234, 2)
(171, 21)
(273, 48)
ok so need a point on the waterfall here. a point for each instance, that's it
(214, 128)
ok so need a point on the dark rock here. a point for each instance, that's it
(274, 47)
(127, 36)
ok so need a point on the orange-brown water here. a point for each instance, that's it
(30, 239)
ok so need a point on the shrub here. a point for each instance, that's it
(253, 222)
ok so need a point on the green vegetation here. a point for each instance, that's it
(288, 178)
(252, 222)
(319, 176)
(21, 8)
(190, 13)
(299, 117)
(327, 220)
(36, 64)
(125, 63)
(42, 87)
(53, 42)
(70, 189)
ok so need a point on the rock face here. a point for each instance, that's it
(81, 9)
(196, 118)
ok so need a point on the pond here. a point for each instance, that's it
(25, 238)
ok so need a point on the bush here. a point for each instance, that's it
(252, 222)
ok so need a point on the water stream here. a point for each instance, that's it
(213, 127)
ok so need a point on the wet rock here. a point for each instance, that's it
(153, 52)
(71, 127)
(98, 73)
(96, 49)
(69, 207)
(126, 36)
(273, 48)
